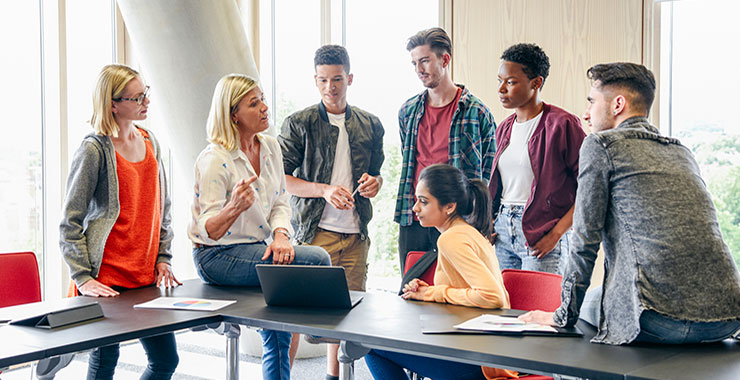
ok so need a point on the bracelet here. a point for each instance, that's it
(282, 231)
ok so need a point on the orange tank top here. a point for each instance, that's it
(131, 249)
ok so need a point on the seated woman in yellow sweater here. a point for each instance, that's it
(467, 269)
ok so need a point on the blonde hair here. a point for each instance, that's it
(111, 83)
(229, 92)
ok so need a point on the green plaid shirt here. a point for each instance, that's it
(471, 147)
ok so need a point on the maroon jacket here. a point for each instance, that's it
(553, 152)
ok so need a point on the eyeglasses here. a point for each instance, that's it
(139, 99)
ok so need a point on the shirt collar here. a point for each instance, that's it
(239, 154)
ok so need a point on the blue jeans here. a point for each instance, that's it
(236, 265)
(161, 352)
(386, 365)
(275, 356)
(659, 328)
(511, 245)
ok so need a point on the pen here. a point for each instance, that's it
(356, 189)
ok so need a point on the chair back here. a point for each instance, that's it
(532, 290)
(412, 257)
(19, 279)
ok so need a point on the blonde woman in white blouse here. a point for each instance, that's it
(241, 210)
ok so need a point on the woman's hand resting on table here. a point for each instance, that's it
(415, 290)
(94, 288)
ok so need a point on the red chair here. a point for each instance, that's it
(19, 279)
(412, 257)
(19, 284)
(531, 290)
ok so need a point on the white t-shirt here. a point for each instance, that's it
(343, 221)
(514, 164)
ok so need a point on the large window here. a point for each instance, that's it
(289, 35)
(383, 80)
(698, 94)
(90, 46)
(21, 200)
(52, 62)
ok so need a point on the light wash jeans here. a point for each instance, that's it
(659, 328)
(236, 265)
(511, 245)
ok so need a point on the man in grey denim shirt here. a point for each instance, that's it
(669, 277)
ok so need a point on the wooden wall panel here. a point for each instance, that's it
(575, 34)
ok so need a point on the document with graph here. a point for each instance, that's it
(184, 303)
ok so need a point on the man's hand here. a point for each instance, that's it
(538, 316)
(339, 197)
(369, 185)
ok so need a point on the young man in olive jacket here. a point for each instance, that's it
(332, 154)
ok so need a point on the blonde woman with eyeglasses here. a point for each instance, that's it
(115, 232)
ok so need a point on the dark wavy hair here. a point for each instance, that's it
(533, 59)
(449, 185)
(332, 55)
(436, 38)
(633, 77)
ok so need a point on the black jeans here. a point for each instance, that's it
(415, 238)
(161, 351)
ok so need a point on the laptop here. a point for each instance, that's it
(306, 286)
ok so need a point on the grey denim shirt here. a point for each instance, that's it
(309, 143)
(641, 195)
(91, 207)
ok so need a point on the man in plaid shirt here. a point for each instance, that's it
(443, 124)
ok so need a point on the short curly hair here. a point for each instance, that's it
(533, 59)
(332, 55)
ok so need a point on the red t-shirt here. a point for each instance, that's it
(433, 138)
(131, 250)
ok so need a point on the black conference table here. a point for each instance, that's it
(381, 320)
(20, 344)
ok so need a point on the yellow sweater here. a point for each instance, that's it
(467, 270)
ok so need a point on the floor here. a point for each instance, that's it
(202, 357)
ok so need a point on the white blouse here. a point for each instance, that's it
(217, 170)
